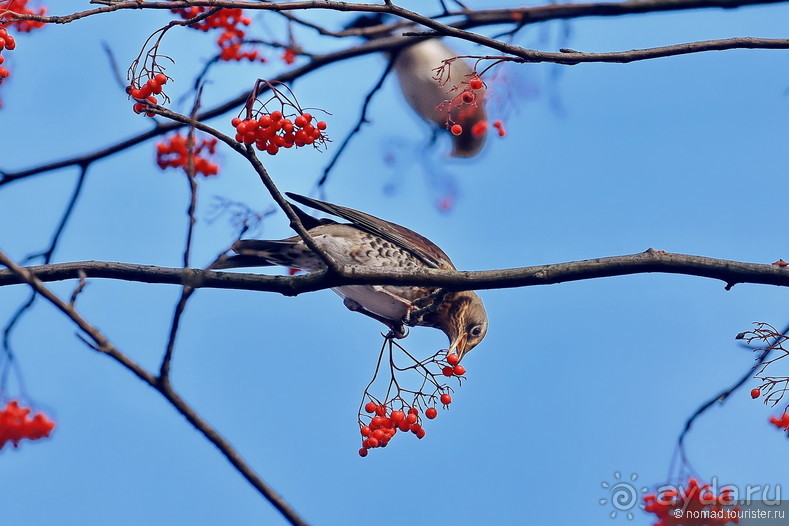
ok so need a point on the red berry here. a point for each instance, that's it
(365, 431)
(756, 393)
(475, 83)
(380, 410)
(431, 413)
(467, 97)
(459, 370)
(234, 122)
(413, 411)
(453, 359)
(370, 407)
(411, 419)
(160, 79)
(447, 371)
(421, 433)
(377, 422)
(363, 452)
(321, 125)
(446, 399)
(456, 129)
(377, 434)
(373, 442)
(479, 128)
(397, 416)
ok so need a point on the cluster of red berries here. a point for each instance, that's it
(9, 8)
(16, 424)
(454, 368)
(231, 22)
(480, 128)
(694, 505)
(782, 422)
(174, 152)
(470, 97)
(386, 421)
(145, 94)
(6, 42)
(273, 131)
(384, 425)
(289, 55)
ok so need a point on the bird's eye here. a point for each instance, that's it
(476, 330)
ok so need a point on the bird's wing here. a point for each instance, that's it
(418, 245)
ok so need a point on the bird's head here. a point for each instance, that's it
(464, 321)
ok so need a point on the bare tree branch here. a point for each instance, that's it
(650, 261)
(99, 342)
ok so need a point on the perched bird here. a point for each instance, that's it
(437, 99)
(372, 242)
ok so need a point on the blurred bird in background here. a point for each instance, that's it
(437, 96)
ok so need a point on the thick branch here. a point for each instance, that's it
(730, 272)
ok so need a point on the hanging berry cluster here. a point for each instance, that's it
(685, 507)
(782, 422)
(17, 424)
(380, 421)
(6, 42)
(231, 22)
(144, 93)
(463, 109)
(174, 152)
(9, 8)
(287, 127)
(271, 132)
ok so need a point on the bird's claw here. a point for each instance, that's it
(397, 332)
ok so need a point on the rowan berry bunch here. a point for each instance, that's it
(7, 42)
(781, 422)
(683, 507)
(8, 10)
(287, 127)
(144, 92)
(232, 23)
(402, 409)
(17, 424)
(462, 109)
(177, 152)
(289, 55)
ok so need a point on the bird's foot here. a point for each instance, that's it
(397, 332)
(421, 307)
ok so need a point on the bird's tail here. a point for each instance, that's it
(256, 253)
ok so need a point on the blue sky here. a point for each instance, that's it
(574, 382)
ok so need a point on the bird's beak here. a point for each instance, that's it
(458, 346)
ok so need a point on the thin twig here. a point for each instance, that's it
(359, 123)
